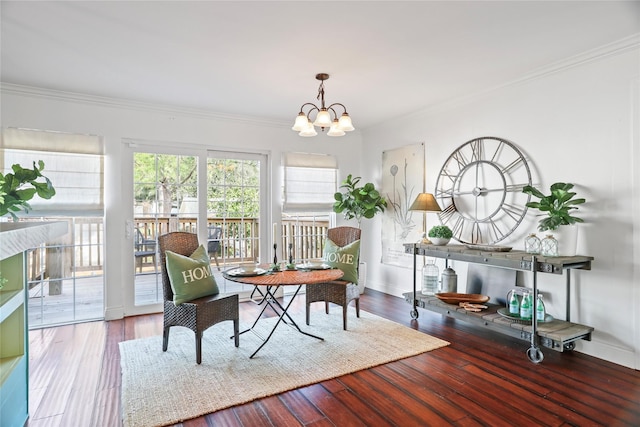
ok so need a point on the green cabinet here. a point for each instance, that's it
(15, 239)
(13, 343)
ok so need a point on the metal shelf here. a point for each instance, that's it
(549, 335)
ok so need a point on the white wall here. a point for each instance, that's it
(114, 120)
(576, 123)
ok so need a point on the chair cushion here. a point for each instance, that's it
(343, 257)
(190, 277)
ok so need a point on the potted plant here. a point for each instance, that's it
(557, 205)
(17, 188)
(14, 196)
(557, 208)
(440, 235)
(358, 202)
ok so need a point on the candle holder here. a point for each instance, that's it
(275, 254)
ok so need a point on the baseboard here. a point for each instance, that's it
(114, 313)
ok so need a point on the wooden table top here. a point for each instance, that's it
(289, 277)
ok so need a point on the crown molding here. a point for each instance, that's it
(600, 53)
(58, 95)
(618, 47)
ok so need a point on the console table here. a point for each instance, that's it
(558, 335)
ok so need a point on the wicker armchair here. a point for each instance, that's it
(199, 314)
(339, 292)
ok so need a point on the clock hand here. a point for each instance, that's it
(477, 191)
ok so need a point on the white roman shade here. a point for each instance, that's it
(310, 181)
(74, 164)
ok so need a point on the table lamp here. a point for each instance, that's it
(425, 202)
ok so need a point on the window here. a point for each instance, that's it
(73, 163)
(65, 276)
(310, 181)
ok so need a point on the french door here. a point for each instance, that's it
(219, 195)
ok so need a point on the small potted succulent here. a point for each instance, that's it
(440, 235)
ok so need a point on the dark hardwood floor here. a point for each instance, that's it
(482, 378)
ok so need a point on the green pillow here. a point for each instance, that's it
(190, 277)
(343, 257)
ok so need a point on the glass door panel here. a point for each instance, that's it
(165, 188)
(234, 200)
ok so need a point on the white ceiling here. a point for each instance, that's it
(259, 59)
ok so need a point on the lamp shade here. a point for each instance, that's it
(335, 129)
(301, 122)
(323, 119)
(425, 202)
(309, 130)
(345, 123)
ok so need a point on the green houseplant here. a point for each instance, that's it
(14, 196)
(558, 205)
(17, 188)
(358, 201)
(440, 235)
(441, 232)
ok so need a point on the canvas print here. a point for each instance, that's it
(402, 181)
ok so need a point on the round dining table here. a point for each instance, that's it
(267, 283)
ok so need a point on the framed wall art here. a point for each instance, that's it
(402, 181)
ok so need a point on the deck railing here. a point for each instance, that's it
(82, 250)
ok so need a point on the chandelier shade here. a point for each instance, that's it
(335, 130)
(300, 123)
(308, 130)
(325, 117)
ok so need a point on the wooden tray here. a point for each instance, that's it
(455, 298)
(490, 248)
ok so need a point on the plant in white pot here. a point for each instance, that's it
(358, 202)
(557, 209)
(440, 235)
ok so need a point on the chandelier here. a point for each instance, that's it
(337, 126)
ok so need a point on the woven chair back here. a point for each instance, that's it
(342, 236)
(179, 242)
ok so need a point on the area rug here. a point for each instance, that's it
(161, 388)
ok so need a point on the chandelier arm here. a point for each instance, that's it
(310, 110)
(335, 114)
(337, 103)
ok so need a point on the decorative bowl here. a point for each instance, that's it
(439, 241)
(456, 298)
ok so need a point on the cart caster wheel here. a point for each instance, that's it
(570, 346)
(414, 314)
(535, 355)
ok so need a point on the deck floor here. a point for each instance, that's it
(82, 299)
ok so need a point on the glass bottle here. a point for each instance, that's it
(532, 244)
(430, 274)
(514, 304)
(525, 306)
(541, 312)
(549, 246)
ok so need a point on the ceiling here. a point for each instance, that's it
(259, 59)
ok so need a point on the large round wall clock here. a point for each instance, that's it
(479, 189)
